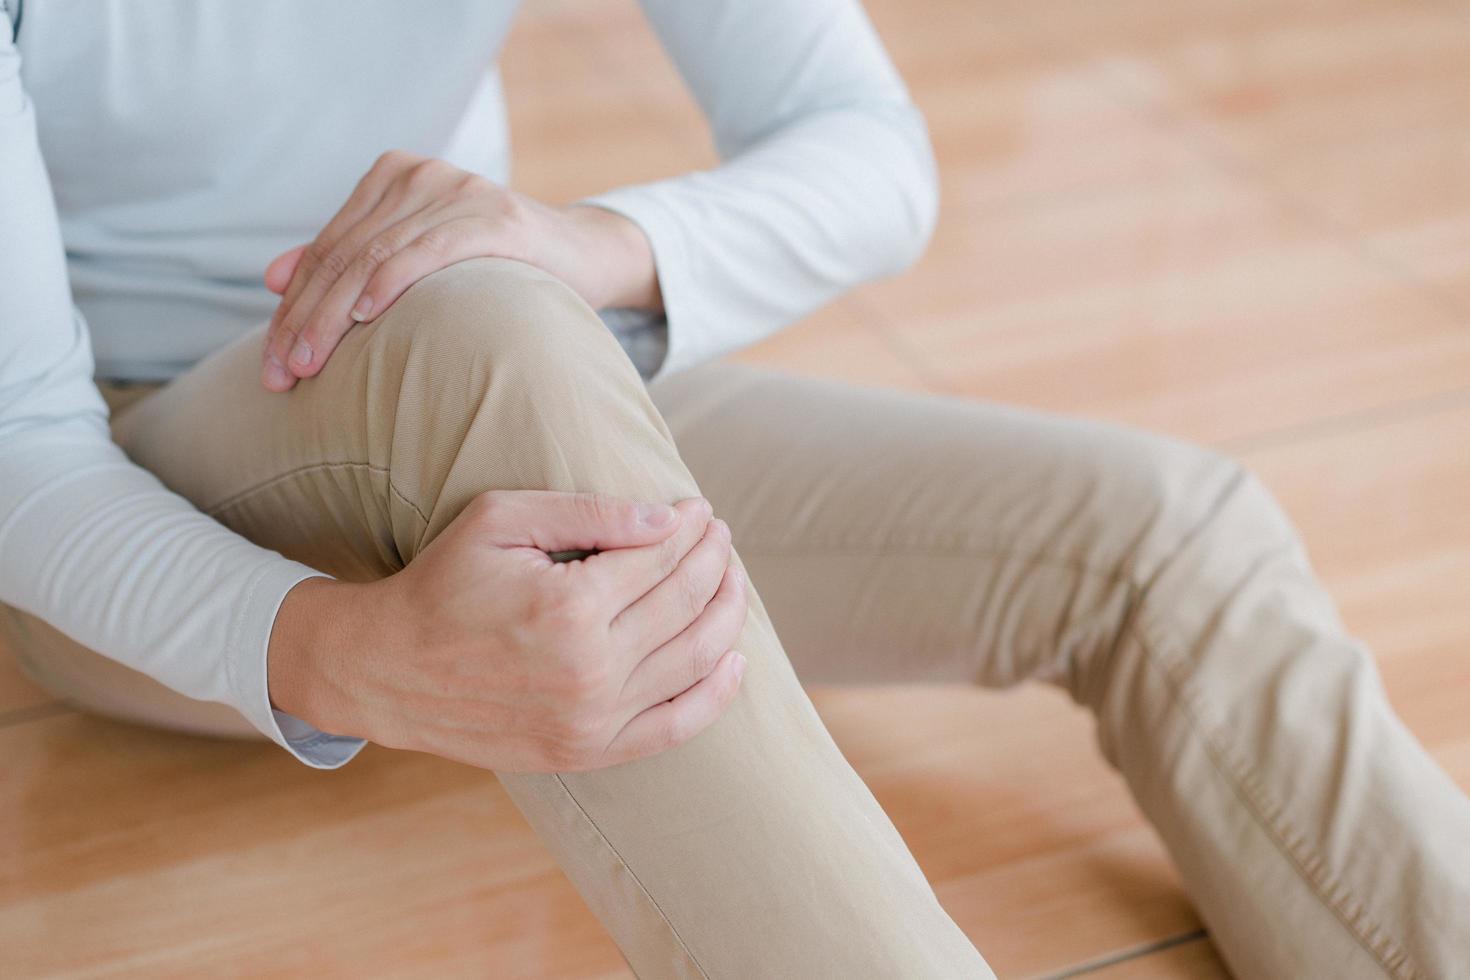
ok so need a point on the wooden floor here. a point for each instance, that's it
(1238, 221)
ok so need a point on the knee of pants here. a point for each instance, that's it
(1227, 592)
(1237, 518)
(490, 318)
(1170, 529)
(491, 374)
(1182, 508)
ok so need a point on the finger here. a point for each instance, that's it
(683, 661)
(278, 274)
(365, 196)
(437, 248)
(549, 521)
(625, 575)
(328, 265)
(675, 722)
(676, 600)
(324, 324)
(273, 373)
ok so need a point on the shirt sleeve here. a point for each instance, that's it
(827, 179)
(90, 542)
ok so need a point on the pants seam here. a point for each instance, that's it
(1240, 775)
(1247, 787)
(633, 875)
(1243, 784)
(242, 495)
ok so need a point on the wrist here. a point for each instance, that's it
(319, 622)
(627, 275)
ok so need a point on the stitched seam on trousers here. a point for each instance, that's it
(1139, 592)
(1248, 788)
(632, 874)
(1246, 785)
(243, 495)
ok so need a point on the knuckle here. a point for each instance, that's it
(703, 655)
(315, 254)
(333, 263)
(394, 160)
(427, 172)
(599, 508)
(574, 743)
(377, 251)
(562, 611)
(580, 729)
(693, 596)
(559, 756)
(587, 682)
(509, 207)
(486, 507)
(475, 185)
(669, 557)
(435, 242)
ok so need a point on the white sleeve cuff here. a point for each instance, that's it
(246, 667)
(641, 205)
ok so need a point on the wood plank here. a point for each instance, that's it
(1193, 305)
(1194, 960)
(17, 691)
(1351, 111)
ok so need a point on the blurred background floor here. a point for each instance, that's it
(1241, 222)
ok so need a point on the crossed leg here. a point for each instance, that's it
(894, 538)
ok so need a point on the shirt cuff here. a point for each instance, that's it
(642, 205)
(248, 682)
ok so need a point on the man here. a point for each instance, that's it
(432, 502)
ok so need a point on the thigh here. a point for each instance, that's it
(903, 537)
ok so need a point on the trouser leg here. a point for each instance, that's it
(752, 850)
(904, 538)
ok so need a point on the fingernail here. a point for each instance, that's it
(720, 527)
(301, 354)
(739, 667)
(363, 309)
(655, 515)
(274, 374)
(737, 577)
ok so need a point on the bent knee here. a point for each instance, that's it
(1193, 500)
(492, 314)
(1224, 535)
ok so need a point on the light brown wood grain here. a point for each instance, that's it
(18, 693)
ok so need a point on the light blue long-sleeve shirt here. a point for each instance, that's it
(155, 156)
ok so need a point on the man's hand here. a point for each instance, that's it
(412, 216)
(487, 651)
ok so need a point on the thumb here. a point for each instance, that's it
(278, 274)
(559, 522)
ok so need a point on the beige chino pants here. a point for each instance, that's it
(892, 538)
